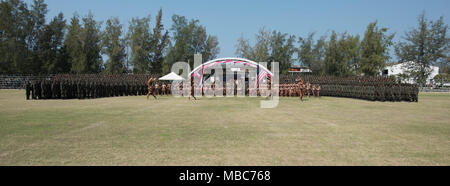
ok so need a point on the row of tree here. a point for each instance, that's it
(345, 54)
(29, 45)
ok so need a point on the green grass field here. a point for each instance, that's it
(223, 131)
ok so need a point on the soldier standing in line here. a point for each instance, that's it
(142, 86)
(131, 88)
(27, 89)
(122, 88)
(409, 93)
(308, 89)
(38, 89)
(69, 89)
(88, 89)
(169, 88)
(295, 89)
(83, 89)
(314, 90)
(78, 90)
(416, 93)
(100, 88)
(117, 88)
(371, 93)
(395, 92)
(73, 89)
(318, 90)
(136, 88)
(127, 86)
(34, 89)
(163, 89)
(157, 88)
(113, 88)
(286, 90)
(62, 88)
(282, 90)
(402, 92)
(42, 89)
(54, 89)
(94, 89)
(291, 90)
(91, 89)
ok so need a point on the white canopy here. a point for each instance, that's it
(171, 76)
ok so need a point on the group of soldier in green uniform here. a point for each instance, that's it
(85, 86)
(368, 88)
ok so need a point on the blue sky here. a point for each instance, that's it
(228, 19)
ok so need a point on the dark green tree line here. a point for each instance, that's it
(30, 45)
(338, 54)
(189, 38)
(147, 45)
(269, 47)
(114, 46)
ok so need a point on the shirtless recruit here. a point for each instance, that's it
(318, 90)
(163, 89)
(308, 88)
(314, 90)
(300, 88)
(150, 87)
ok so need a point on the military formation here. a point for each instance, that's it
(368, 88)
(88, 86)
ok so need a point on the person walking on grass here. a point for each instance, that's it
(150, 88)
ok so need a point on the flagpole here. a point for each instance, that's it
(201, 79)
(257, 79)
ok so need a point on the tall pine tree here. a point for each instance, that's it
(74, 46)
(114, 47)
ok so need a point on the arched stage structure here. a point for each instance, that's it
(236, 63)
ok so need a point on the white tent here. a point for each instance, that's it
(171, 76)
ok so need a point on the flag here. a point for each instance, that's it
(257, 75)
(262, 75)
